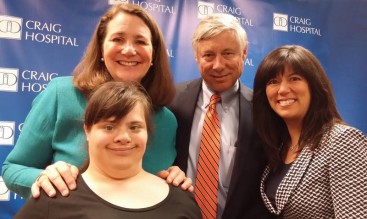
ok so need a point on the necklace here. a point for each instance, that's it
(294, 147)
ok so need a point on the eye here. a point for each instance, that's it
(208, 56)
(136, 127)
(109, 127)
(228, 54)
(117, 39)
(295, 78)
(142, 42)
(272, 81)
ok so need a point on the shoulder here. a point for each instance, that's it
(61, 91)
(64, 83)
(164, 113)
(246, 92)
(183, 198)
(345, 143)
(188, 84)
(344, 133)
(164, 116)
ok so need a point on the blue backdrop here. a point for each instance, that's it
(41, 40)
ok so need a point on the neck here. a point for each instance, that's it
(97, 174)
(294, 129)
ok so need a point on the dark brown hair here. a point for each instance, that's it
(115, 100)
(321, 115)
(91, 71)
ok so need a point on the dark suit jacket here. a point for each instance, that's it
(244, 199)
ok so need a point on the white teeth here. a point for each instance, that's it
(286, 102)
(128, 63)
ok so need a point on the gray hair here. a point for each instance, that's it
(215, 24)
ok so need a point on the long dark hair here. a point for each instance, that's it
(321, 115)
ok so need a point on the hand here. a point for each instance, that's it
(60, 175)
(175, 176)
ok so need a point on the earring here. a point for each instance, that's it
(151, 64)
(102, 59)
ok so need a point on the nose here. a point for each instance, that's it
(128, 49)
(218, 63)
(122, 137)
(283, 87)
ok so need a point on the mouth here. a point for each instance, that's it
(126, 148)
(286, 102)
(127, 63)
(219, 77)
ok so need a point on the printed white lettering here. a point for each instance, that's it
(170, 53)
(245, 21)
(49, 27)
(35, 87)
(227, 9)
(249, 62)
(305, 30)
(51, 39)
(37, 76)
(20, 126)
(154, 7)
(297, 20)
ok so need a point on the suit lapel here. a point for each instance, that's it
(185, 104)
(289, 183)
(243, 140)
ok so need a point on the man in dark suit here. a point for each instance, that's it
(220, 46)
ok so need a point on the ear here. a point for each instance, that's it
(244, 53)
(86, 131)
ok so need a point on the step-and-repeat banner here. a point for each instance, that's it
(41, 40)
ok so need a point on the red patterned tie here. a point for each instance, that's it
(206, 185)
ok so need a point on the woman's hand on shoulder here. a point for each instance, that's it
(59, 175)
(175, 176)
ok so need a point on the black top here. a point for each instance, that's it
(274, 180)
(84, 203)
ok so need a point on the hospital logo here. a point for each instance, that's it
(295, 24)
(280, 22)
(10, 27)
(205, 8)
(4, 191)
(9, 79)
(7, 133)
(114, 2)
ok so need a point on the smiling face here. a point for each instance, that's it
(127, 48)
(220, 61)
(289, 95)
(116, 146)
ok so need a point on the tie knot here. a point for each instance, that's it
(215, 98)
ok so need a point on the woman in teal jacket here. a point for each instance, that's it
(127, 45)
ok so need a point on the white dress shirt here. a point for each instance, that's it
(228, 112)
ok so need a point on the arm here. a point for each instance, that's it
(52, 131)
(161, 151)
(348, 176)
(61, 175)
(33, 150)
(175, 176)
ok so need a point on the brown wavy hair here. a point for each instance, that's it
(91, 71)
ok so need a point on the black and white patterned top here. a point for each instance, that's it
(329, 182)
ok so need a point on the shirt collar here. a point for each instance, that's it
(226, 96)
